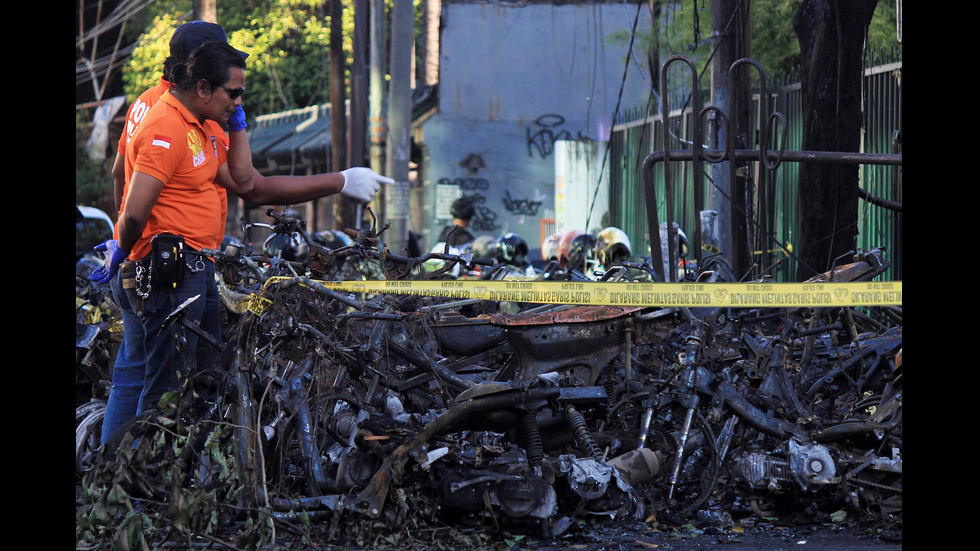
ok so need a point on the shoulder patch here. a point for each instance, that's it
(161, 140)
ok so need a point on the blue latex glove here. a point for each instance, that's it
(114, 256)
(237, 121)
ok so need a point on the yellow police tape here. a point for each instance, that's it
(711, 295)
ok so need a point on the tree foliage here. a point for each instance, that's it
(287, 42)
(288, 46)
(684, 28)
(145, 67)
(775, 44)
(91, 184)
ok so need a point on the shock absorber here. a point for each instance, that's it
(645, 424)
(609, 384)
(582, 435)
(689, 398)
(532, 442)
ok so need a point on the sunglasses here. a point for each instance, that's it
(233, 93)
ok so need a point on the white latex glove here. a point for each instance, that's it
(361, 183)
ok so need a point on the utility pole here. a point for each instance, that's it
(358, 86)
(728, 197)
(206, 10)
(378, 68)
(358, 98)
(338, 109)
(430, 42)
(399, 125)
(338, 118)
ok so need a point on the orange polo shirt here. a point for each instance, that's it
(174, 147)
(134, 116)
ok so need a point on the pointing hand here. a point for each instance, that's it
(361, 183)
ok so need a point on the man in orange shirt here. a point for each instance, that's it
(357, 183)
(176, 158)
(129, 368)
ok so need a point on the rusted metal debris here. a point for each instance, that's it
(535, 419)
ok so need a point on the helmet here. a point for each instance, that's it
(433, 264)
(86, 265)
(512, 249)
(575, 247)
(564, 245)
(286, 246)
(549, 249)
(231, 246)
(614, 246)
(581, 248)
(483, 247)
(332, 239)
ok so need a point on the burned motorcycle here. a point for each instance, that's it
(392, 406)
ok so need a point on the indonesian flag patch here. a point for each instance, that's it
(161, 140)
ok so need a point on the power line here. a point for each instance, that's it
(619, 99)
(122, 12)
(89, 68)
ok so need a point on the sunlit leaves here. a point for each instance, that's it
(287, 42)
(145, 67)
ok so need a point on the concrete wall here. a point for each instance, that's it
(512, 82)
(581, 186)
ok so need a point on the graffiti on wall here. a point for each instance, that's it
(544, 132)
(521, 206)
(467, 184)
(485, 218)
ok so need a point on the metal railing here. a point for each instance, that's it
(641, 133)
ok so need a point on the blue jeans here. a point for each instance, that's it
(128, 371)
(163, 358)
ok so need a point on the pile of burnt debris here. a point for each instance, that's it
(331, 409)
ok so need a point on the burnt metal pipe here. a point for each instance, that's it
(297, 404)
(748, 413)
(700, 154)
(329, 293)
(857, 428)
(879, 201)
(849, 363)
(441, 372)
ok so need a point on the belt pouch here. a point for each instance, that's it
(167, 259)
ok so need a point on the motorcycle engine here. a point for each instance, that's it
(804, 465)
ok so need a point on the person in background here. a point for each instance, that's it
(457, 234)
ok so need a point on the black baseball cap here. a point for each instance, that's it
(189, 36)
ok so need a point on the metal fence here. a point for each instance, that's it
(774, 210)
